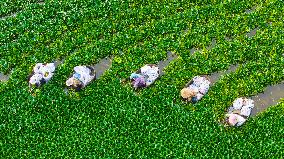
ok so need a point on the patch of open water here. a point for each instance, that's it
(252, 32)
(271, 96)
(162, 64)
(4, 78)
(102, 66)
(214, 77)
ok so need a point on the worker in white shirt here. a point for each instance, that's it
(41, 74)
(82, 76)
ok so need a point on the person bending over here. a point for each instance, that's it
(145, 76)
(41, 74)
(82, 76)
(195, 89)
(239, 112)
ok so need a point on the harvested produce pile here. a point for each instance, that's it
(109, 119)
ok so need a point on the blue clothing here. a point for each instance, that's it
(135, 75)
(194, 99)
(77, 75)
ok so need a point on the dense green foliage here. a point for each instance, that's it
(109, 119)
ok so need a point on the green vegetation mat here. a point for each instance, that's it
(109, 119)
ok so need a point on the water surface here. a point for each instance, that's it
(213, 44)
(214, 77)
(270, 97)
(162, 64)
(3, 77)
(250, 10)
(252, 32)
(102, 66)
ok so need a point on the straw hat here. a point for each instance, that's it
(187, 93)
(73, 81)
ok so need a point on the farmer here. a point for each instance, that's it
(83, 76)
(195, 89)
(239, 111)
(41, 74)
(145, 76)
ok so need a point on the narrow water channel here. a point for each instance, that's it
(102, 66)
(162, 64)
(214, 77)
(271, 96)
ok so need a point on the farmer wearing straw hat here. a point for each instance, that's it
(195, 89)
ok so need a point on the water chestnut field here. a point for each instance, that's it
(108, 119)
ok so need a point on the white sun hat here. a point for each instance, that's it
(35, 79)
(37, 67)
(50, 67)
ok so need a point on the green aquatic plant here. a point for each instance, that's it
(107, 119)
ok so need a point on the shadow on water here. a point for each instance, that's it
(102, 66)
(271, 96)
(214, 77)
(165, 63)
(252, 32)
(4, 78)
